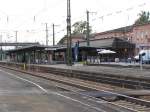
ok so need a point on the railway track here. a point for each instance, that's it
(124, 82)
(124, 102)
(133, 106)
(106, 78)
(129, 103)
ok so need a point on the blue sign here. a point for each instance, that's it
(76, 51)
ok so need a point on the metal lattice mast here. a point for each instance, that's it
(69, 40)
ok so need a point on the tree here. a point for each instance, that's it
(79, 27)
(62, 40)
(144, 17)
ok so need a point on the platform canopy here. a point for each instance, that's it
(114, 43)
(27, 48)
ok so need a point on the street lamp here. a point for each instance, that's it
(141, 60)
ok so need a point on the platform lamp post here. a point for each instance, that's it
(141, 60)
(69, 40)
(53, 25)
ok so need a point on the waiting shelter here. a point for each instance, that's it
(28, 54)
(122, 48)
(38, 54)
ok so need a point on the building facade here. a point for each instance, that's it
(141, 36)
(137, 34)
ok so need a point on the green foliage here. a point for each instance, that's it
(79, 27)
(144, 17)
(61, 42)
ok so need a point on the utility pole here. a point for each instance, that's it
(16, 38)
(69, 40)
(46, 30)
(1, 38)
(7, 19)
(53, 34)
(88, 31)
(1, 48)
(87, 27)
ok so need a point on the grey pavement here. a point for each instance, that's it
(23, 93)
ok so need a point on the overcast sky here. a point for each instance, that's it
(28, 17)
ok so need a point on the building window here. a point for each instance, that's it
(148, 39)
(142, 34)
(146, 36)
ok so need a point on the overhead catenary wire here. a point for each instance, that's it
(102, 17)
(116, 12)
(109, 14)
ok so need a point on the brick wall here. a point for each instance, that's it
(140, 35)
(123, 34)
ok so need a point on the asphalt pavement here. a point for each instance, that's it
(20, 92)
(28, 94)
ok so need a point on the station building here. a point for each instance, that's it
(125, 41)
(57, 54)
(136, 34)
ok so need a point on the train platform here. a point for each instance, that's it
(99, 87)
(119, 71)
(99, 92)
(109, 69)
(122, 64)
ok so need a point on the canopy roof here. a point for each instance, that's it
(109, 43)
(28, 48)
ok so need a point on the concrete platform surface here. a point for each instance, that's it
(21, 92)
(131, 72)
